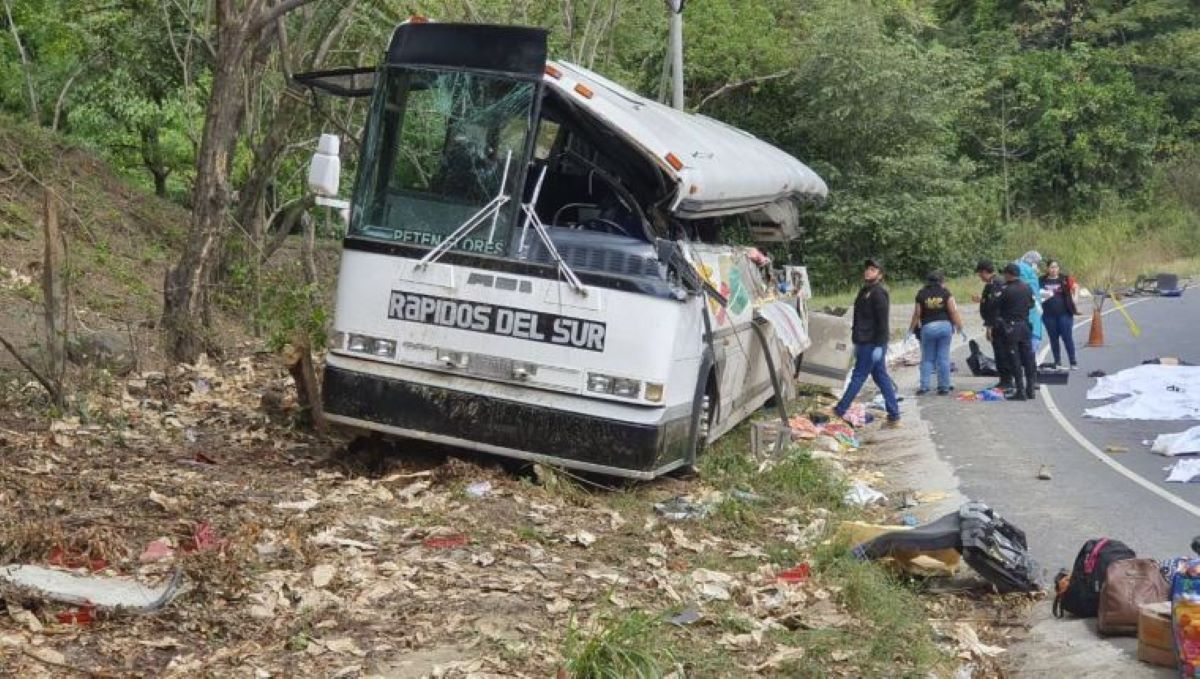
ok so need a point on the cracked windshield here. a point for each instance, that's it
(438, 152)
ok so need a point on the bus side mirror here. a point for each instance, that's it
(325, 170)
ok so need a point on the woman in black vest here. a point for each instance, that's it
(936, 317)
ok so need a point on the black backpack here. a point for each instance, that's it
(980, 364)
(997, 550)
(1078, 592)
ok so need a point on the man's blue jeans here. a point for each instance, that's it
(869, 359)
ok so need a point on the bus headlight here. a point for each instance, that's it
(601, 384)
(654, 392)
(384, 348)
(617, 386)
(626, 388)
(372, 346)
(360, 344)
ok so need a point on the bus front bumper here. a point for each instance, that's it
(506, 427)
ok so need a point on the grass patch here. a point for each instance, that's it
(891, 635)
(900, 292)
(625, 645)
(797, 480)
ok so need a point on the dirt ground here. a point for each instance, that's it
(303, 555)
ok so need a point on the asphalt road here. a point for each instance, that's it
(994, 452)
(996, 449)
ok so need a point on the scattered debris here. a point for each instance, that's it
(987, 395)
(712, 584)
(686, 617)
(479, 489)
(862, 495)
(582, 538)
(969, 644)
(682, 509)
(785, 654)
(102, 592)
(301, 506)
(322, 575)
(795, 574)
(445, 541)
(157, 550)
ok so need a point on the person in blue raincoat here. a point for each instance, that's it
(1029, 274)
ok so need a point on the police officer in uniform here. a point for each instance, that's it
(989, 310)
(1014, 303)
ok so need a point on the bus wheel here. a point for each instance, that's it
(704, 427)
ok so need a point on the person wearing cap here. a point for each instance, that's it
(1015, 302)
(989, 311)
(935, 317)
(870, 337)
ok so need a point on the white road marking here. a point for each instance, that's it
(1087, 445)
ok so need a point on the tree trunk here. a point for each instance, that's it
(54, 302)
(185, 290)
(160, 182)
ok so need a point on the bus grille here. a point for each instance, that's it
(603, 260)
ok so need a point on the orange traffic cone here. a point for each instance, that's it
(1096, 334)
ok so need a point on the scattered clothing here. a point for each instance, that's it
(987, 395)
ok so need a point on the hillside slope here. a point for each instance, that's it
(119, 240)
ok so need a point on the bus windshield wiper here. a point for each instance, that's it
(491, 209)
(532, 219)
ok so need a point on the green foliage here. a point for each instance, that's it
(622, 646)
(938, 125)
(287, 308)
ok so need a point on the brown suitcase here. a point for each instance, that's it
(1128, 584)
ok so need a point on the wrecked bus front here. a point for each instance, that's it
(525, 268)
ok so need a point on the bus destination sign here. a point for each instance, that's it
(577, 333)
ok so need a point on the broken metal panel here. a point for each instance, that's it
(93, 590)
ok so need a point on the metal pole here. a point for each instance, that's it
(677, 59)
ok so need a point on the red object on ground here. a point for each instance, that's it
(203, 539)
(156, 551)
(73, 559)
(201, 457)
(446, 541)
(82, 616)
(798, 574)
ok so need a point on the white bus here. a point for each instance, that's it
(531, 267)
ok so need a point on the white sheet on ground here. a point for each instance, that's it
(1182, 443)
(1184, 471)
(1152, 392)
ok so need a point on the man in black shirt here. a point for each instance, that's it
(1013, 305)
(989, 310)
(870, 337)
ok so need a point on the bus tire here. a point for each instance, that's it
(704, 418)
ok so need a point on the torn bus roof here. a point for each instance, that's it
(718, 168)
